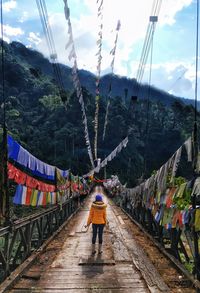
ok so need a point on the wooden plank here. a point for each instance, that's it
(150, 274)
(78, 269)
(47, 282)
(114, 290)
(121, 220)
(94, 285)
(97, 261)
(86, 272)
(32, 276)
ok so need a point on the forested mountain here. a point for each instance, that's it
(52, 130)
(38, 65)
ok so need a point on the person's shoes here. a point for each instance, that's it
(100, 249)
(93, 249)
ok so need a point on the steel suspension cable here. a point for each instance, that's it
(144, 56)
(196, 153)
(196, 66)
(3, 68)
(196, 91)
(50, 42)
(147, 43)
(49, 31)
(5, 204)
(148, 104)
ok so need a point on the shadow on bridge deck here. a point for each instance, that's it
(67, 264)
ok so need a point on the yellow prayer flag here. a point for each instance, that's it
(34, 196)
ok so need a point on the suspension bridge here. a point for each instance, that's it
(131, 261)
(151, 238)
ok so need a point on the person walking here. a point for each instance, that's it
(97, 216)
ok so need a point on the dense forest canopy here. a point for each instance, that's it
(51, 128)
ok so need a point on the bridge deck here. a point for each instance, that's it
(67, 264)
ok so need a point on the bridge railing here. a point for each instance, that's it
(22, 237)
(179, 242)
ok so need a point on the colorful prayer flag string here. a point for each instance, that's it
(21, 177)
(162, 199)
(112, 155)
(99, 55)
(113, 53)
(32, 197)
(76, 81)
(25, 159)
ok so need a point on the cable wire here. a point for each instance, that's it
(148, 105)
(5, 204)
(50, 43)
(147, 43)
(3, 67)
(196, 67)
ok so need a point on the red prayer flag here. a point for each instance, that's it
(28, 196)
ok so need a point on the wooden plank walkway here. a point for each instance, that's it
(123, 266)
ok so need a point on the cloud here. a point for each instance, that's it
(134, 21)
(9, 5)
(6, 39)
(169, 10)
(12, 31)
(23, 17)
(29, 47)
(173, 77)
(34, 38)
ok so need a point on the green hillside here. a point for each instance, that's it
(53, 131)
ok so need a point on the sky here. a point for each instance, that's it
(174, 42)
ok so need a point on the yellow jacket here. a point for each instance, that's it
(97, 213)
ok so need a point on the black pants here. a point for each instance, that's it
(97, 228)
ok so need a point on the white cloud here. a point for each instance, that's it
(173, 77)
(6, 39)
(12, 31)
(169, 10)
(34, 38)
(9, 5)
(24, 16)
(134, 21)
